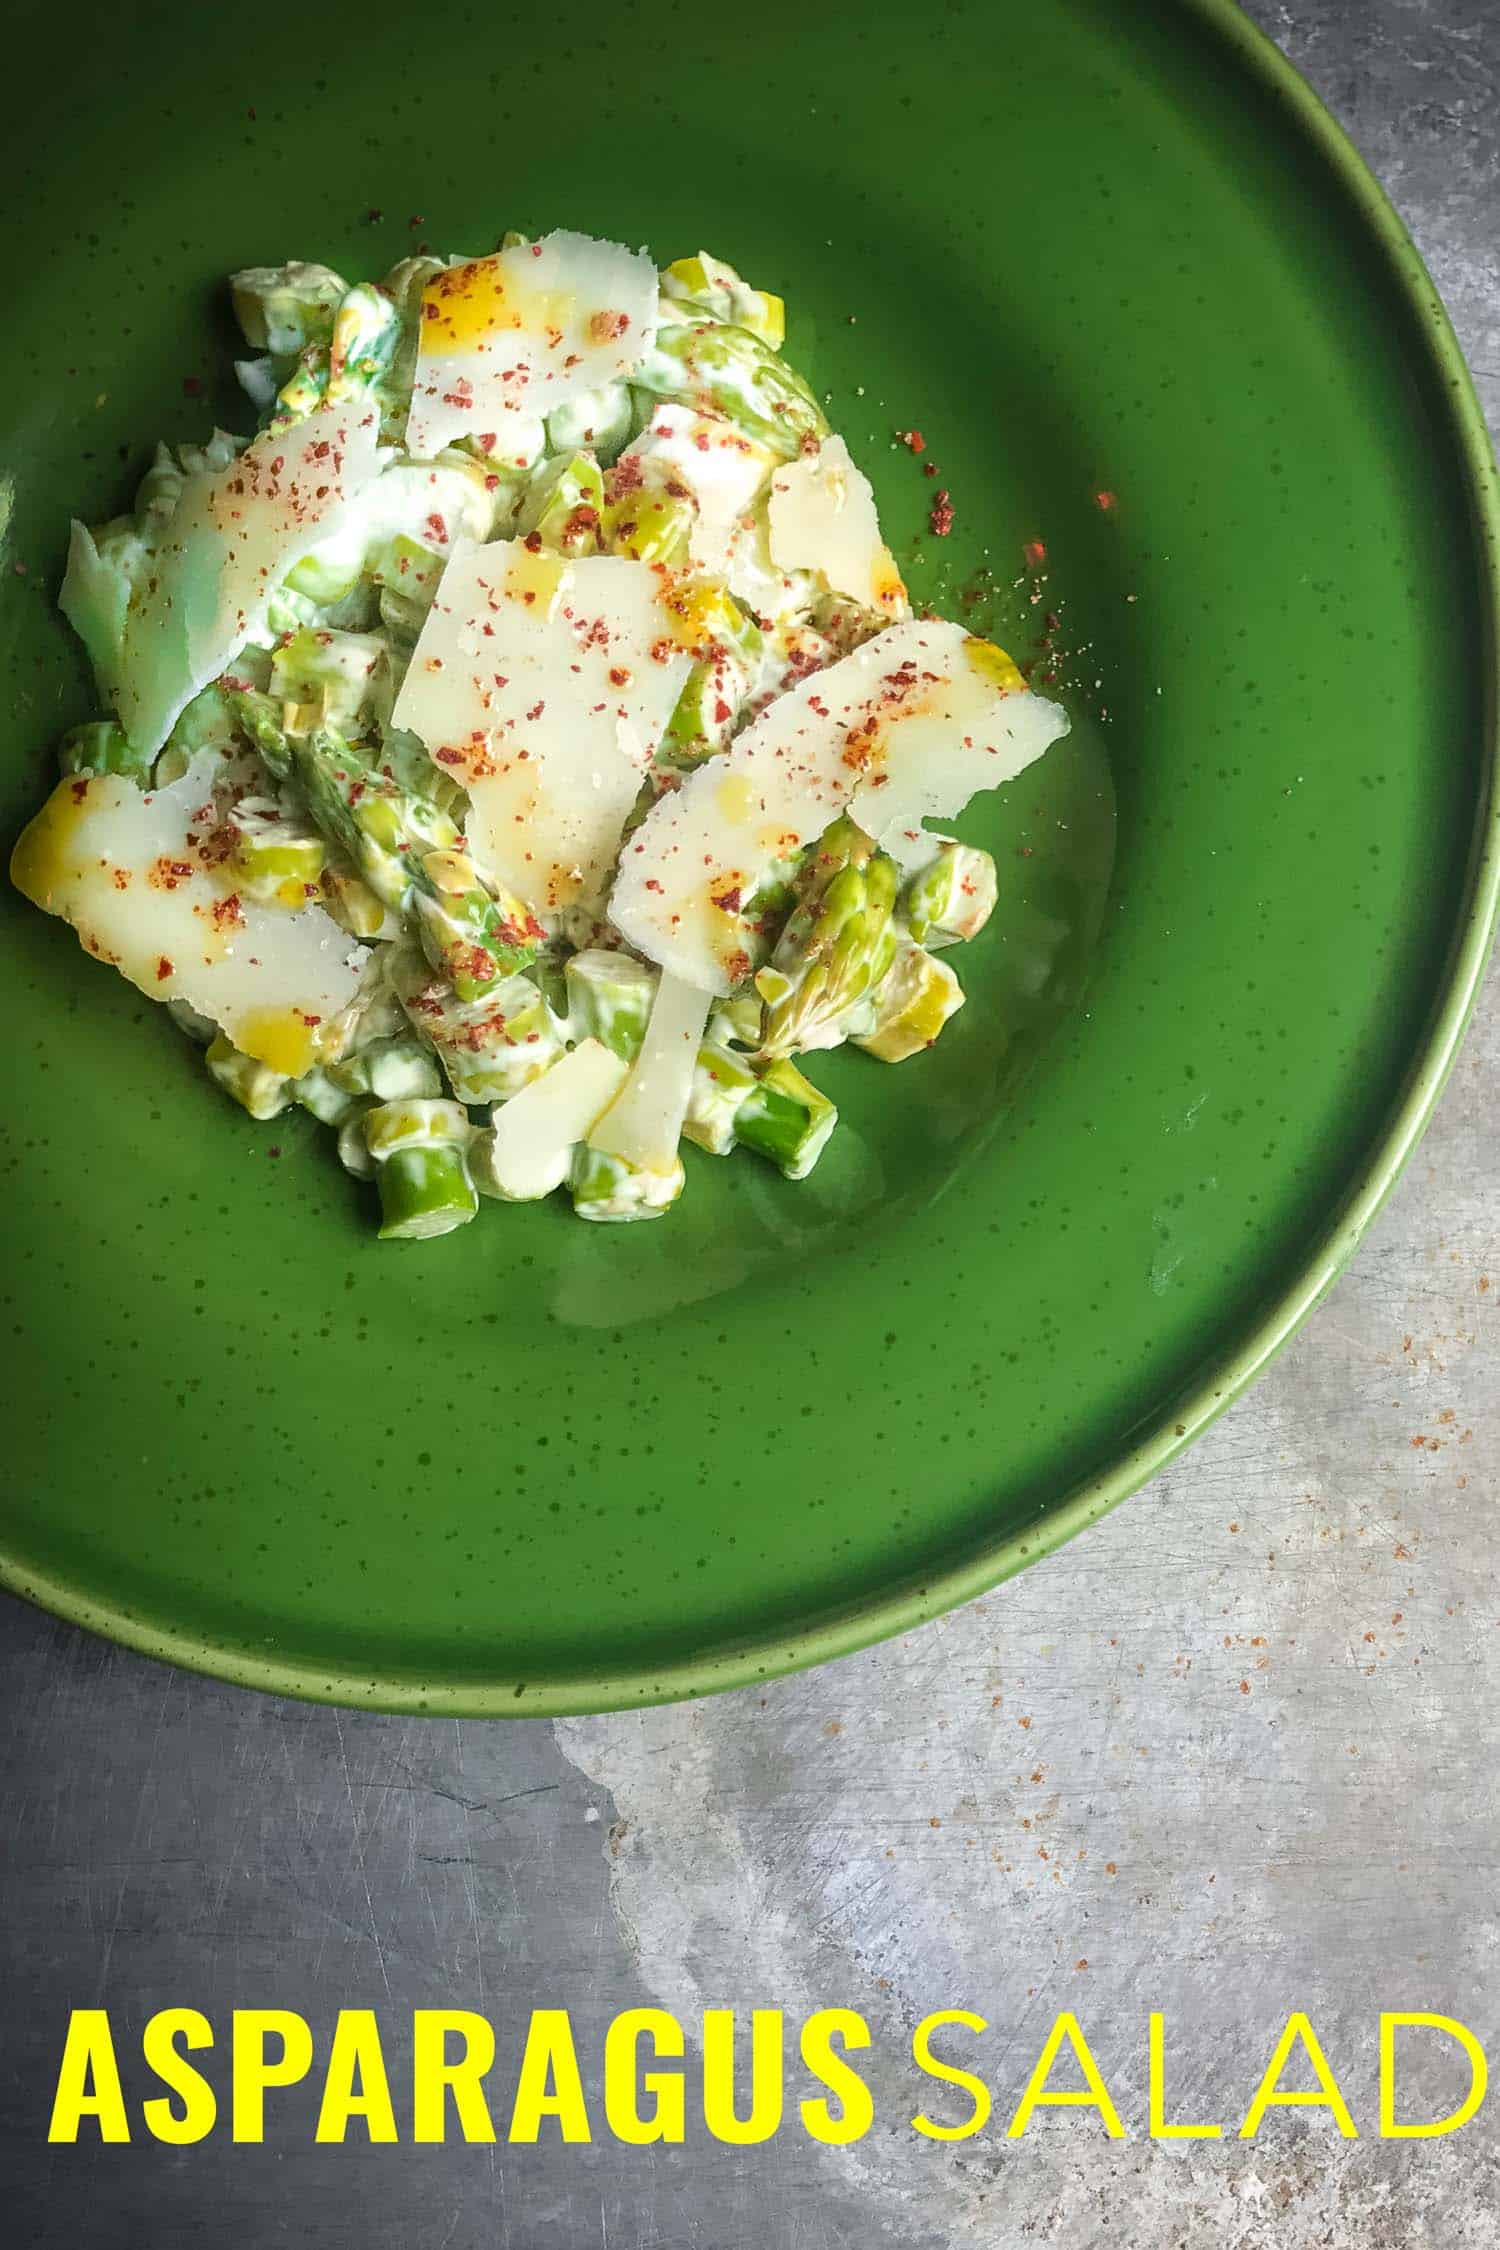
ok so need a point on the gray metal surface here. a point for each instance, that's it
(1232, 1753)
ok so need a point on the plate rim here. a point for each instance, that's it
(1169, 1432)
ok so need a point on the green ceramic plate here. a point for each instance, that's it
(1149, 311)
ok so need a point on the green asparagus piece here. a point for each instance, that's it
(729, 371)
(564, 505)
(714, 291)
(102, 747)
(259, 1090)
(785, 1118)
(647, 525)
(706, 714)
(420, 1152)
(274, 860)
(317, 1092)
(837, 944)
(599, 420)
(721, 1083)
(281, 309)
(770, 1108)
(489, 1048)
(410, 855)
(393, 1069)
(951, 898)
(909, 1007)
(609, 999)
(331, 676)
(613, 1190)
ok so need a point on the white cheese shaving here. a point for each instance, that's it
(822, 518)
(140, 876)
(913, 723)
(644, 1124)
(529, 1148)
(545, 686)
(517, 334)
(228, 545)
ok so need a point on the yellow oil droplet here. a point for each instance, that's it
(887, 585)
(536, 579)
(279, 1038)
(465, 306)
(992, 664)
(735, 796)
(699, 611)
(43, 862)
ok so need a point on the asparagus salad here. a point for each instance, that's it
(519, 753)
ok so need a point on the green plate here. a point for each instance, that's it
(1149, 311)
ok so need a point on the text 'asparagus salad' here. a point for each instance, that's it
(520, 752)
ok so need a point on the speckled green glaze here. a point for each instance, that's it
(541, 1467)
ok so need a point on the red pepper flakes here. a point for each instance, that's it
(1104, 501)
(1034, 554)
(929, 468)
(274, 1149)
(163, 969)
(730, 901)
(913, 440)
(940, 521)
(416, 220)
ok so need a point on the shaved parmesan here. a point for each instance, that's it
(517, 334)
(528, 1149)
(644, 1124)
(228, 544)
(724, 471)
(913, 723)
(822, 518)
(140, 876)
(545, 685)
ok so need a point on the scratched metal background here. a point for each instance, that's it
(1231, 1753)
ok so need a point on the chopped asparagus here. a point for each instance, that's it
(609, 999)
(950, 899)
(102, 747)
(564, 505)
(731, 372)
(909, 1007)
(489, 1048)
(612, 1189)
(420, 1152)
(785, 1118)
(721, 1083)
(837, 944)
(262, 1092)
(275, 861)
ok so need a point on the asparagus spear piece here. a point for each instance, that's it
(711, 288)
(564, 505)
(769, 1107)
(102, 746)
(609, 999)
(730, 372)
(260, 1091)
(489, 1048)
(612, 1190)
(838, 942)
(420, 1153)
(275, 861)
(786, 1119)
(909, 1007)
(951, 898)
(529, 1148)
(409, 854)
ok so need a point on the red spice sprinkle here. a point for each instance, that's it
(619, 676)
(417, 220)
(1034, 554)
(163, 969)
(730, 901)
(274, 1149)
(1105, 501)
(533, 542)
(536, 711)
(913, 440)
(722, 711)
(940, 521)
(193, 385)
